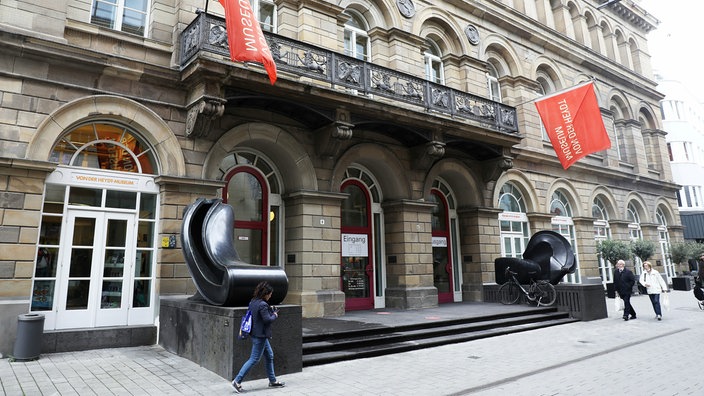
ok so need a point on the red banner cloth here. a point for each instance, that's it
(573, 122)
(245, 37)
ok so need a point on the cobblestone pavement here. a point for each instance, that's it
(607, 356)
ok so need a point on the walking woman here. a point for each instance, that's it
(263, 315)
(653, 282)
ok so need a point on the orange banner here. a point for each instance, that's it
(245, 37)
(573, 122)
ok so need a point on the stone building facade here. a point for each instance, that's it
(398, 154)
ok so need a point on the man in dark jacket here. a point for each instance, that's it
(623, 283)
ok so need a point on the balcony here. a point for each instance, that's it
(207, 33)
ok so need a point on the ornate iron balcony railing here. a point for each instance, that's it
(207, 33)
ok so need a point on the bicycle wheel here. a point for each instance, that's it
(509, 293)
(546, 293)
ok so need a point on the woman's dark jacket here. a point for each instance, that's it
(262, 317)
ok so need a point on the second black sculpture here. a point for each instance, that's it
(548, 256)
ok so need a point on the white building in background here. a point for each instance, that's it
(683, 120)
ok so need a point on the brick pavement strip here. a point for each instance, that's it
(583, 358)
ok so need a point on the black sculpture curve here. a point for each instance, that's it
(548, 256)
(213, 262)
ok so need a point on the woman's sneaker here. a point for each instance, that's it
(277, 384)
(238, 387)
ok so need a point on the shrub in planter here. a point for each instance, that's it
(614, 250)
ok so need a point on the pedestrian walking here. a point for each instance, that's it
(263, 315)
(623, 283)
(655, 285)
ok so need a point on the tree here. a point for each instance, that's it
(643, 248)
(614, 250)
(682, 252)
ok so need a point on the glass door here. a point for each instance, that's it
(93, 282)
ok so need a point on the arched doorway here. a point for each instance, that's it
(363, 272)
(253, 190)
(562, 223)
(602, 232)
(96, 252)
(357, 274)
(446, 266)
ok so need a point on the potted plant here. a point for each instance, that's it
(643, 248)
(614, 250)
(682, 252)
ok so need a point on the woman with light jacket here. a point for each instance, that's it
(653, 282)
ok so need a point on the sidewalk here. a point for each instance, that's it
(585, 358)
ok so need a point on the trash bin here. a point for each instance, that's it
(28, 344)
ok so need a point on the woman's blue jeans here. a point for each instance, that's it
(655, 300)
(260, 346)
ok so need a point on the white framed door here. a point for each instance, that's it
(94, 284)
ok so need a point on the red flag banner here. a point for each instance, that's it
(245, 37)
(573, 122)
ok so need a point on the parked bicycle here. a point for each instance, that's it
(541, 292)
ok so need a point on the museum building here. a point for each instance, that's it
(397, 155)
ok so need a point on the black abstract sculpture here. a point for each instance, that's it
(548, 256)
(221, 278)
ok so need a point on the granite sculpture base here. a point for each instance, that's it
(207, 335)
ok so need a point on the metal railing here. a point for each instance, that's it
(207, 33)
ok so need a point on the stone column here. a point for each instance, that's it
(312, 252)
(586, 247)
(409, 255)
(480, 244)
(174, 195)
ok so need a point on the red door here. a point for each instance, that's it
(357, 266)
(442, 254)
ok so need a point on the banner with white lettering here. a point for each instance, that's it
(573, 122)
(245, 37)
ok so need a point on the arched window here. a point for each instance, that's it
(513, 221)
(602, 232)
(266, 14)
(546, 86)
(104, 145)
(356, 40)
(634, 232)
(253, 190)
(664, 241)
(562, 223)
(492, 79)
(447, 273)
(433, 63)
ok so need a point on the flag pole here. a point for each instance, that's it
(206, 6)
(591, 80)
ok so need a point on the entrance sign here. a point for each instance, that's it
(355, 245)
(439, 242)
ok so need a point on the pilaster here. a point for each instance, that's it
(312, 252)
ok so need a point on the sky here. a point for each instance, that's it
(675, 46)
